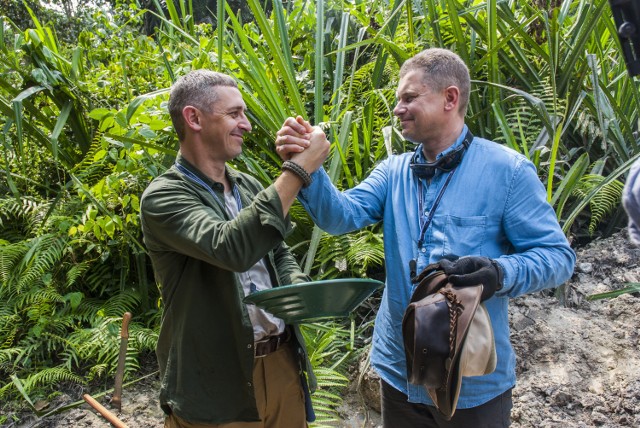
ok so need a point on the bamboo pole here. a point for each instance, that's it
(117, 423)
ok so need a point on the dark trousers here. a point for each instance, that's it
(398, 412)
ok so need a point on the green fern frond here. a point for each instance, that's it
(100, 340)
(327, 397)
(45, 253)
(605, 202)
(57, 339)
(522, 118)
(18, 208)
(50, 376)
(351, 255)
(95, 163)
(325, 342)
(21, 217)
(100, 345)
(329, 378)
(75, 272)
(366, 251)
(8, 331)
(8, 355)
(6, 388)
(10, 256)
(144, 338)
(124, 301)
(97, 371)
(38, 300)
(99, 277)
(88, 309)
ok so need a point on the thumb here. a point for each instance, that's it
(450, 267)
(455, 279)
(304, 123)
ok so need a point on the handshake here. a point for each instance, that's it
(303, 145)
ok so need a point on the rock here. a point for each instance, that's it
(585, 267)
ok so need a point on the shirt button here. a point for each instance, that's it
(249, 346)
(424, 250)
(249, 384)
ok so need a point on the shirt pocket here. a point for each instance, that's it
(464, 236)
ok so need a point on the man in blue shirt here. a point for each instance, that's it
(459, 198)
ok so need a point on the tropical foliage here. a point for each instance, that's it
(84, 128)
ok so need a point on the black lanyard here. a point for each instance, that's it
(194, 178)
(425, 224)
(468, 138)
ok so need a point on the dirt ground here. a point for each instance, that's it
(578, 363)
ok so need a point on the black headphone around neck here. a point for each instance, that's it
(446, 163)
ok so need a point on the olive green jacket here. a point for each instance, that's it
(205, 348)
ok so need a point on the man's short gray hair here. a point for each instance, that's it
(198, 89)
(441, 68)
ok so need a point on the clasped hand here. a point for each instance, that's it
(302, 143)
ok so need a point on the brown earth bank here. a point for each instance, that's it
(578, 359)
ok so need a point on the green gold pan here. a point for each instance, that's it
(311, 301)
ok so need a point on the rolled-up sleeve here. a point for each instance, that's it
(542, 255)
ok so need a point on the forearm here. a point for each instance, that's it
(287, 185)
(542, 257)
(338, 212)
(536, 269)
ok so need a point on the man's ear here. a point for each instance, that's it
(192, 117)
(452, 98)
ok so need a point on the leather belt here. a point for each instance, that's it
(271, 343)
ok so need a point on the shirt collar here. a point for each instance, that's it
(458, 142)
(234, 176)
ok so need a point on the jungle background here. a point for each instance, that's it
(84, 128)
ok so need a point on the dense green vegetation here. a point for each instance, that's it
(84, 128)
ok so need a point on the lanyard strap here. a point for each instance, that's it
(195, 179)
(425, 224)
(468, 138)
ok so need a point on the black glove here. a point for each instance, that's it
(470, 271)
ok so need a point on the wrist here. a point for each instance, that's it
(298, 171)
(500, 274)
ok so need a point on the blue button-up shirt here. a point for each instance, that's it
(494, 206)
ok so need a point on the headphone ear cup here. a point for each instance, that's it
(422, 171)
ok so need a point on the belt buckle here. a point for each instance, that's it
(265, 341)
(273, 341)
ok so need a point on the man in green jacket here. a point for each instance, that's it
(215, 235)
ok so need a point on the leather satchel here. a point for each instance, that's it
(447, 335)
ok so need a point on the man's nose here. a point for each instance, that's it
(399, 109)
(245, 125)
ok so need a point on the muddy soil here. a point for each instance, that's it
(578, 359)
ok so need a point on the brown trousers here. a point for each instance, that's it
(279, 395)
